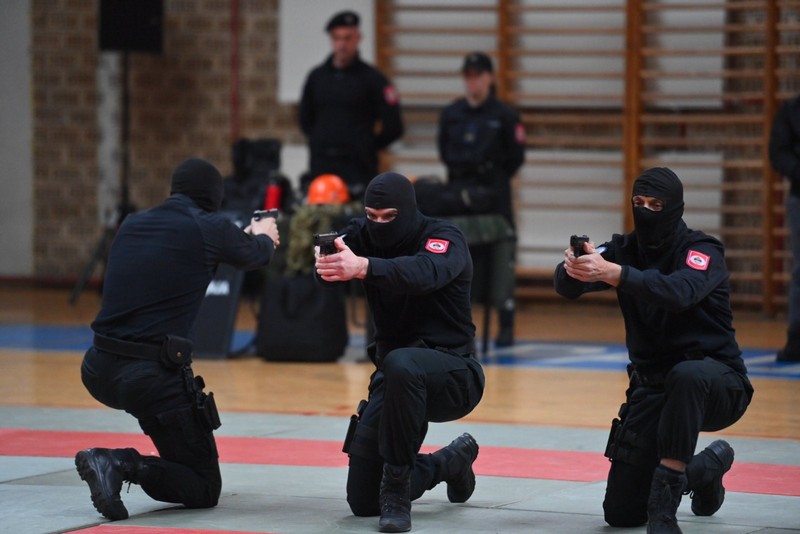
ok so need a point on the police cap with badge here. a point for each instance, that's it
(477, 61)
(346, 19)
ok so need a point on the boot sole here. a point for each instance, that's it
(393, 528)
(724, 453)
(455, 496)
(113, 508)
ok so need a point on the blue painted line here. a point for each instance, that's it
(556, 355)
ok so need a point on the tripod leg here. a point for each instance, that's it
(100, 252)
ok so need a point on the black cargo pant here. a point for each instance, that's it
(187, 468)
(413, 386)
(664, 421)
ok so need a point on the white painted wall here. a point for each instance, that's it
(304, 44)
(16, 140)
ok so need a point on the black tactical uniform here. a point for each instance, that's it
(483, 147)
(417, 287)
(339, 112)
(159, 267)
(687, 374)
(784, 155)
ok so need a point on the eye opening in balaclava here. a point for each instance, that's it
(199, 180)
(655, 229)
(391, 190)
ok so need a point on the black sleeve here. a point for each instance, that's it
(425, 271)
(784, 142)
(441, 137)
(227, 243)
(570, 288)
(306, 109)
(514, 140)
(388, 105)
(701, 269)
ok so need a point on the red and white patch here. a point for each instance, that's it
(697, 260)
(519, 133)
(390, 95)
(437, 246)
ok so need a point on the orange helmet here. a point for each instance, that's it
(328, 189)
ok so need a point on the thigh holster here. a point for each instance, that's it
(360, 440)
(627, 446)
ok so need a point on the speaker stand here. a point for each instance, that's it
(124, 206)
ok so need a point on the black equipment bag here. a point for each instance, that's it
(301, 320)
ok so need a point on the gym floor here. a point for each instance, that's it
(542, 427)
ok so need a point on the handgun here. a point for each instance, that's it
(576, 242)
(325, 243)
(263, 214)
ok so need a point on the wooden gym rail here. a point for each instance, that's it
(619, 105)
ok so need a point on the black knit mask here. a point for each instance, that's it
(391, 190)
(656, 229)
(200, 181)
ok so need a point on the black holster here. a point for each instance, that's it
(626, 445)
(351, 428)
(203, 404)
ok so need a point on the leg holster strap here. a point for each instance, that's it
(626, 446)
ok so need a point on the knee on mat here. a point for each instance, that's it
(209, 500)
(623, 516)
(363, 507)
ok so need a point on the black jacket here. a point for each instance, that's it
(674, 309)
(339, 111)
(784, 143)
(482, 146)
(160, 264)
(421, 292)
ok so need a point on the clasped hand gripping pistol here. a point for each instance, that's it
(263, 214)
(576, 242)
(325, 243)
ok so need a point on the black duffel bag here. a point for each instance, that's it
(301, 320)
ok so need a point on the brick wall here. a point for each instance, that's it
(180, 106)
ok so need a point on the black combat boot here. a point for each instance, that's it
(705, 473)
(455, 467)
(395, 499)
(105, 470)
(665, 496)
(505, 336)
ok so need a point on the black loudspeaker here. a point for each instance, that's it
(131, 25)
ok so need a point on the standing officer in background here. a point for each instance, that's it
(416, 273)
(159, 267)
(784, 155)
(686, 370)
(481, 141)
(348, 110)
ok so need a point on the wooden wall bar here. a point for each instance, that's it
(607, 89)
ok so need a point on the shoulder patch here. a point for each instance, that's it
(437, 246)
(390, 95)
(697, 260)
(519, 133)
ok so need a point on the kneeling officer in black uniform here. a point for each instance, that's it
(159, 267)
(686, 369)
(416, 273)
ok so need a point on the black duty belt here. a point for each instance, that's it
(467, 349)
(131, 349)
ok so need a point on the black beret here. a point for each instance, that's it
(343, 18)
(477, 61)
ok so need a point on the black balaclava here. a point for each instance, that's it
(391, 190)
(200, 181)
(656, 229)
